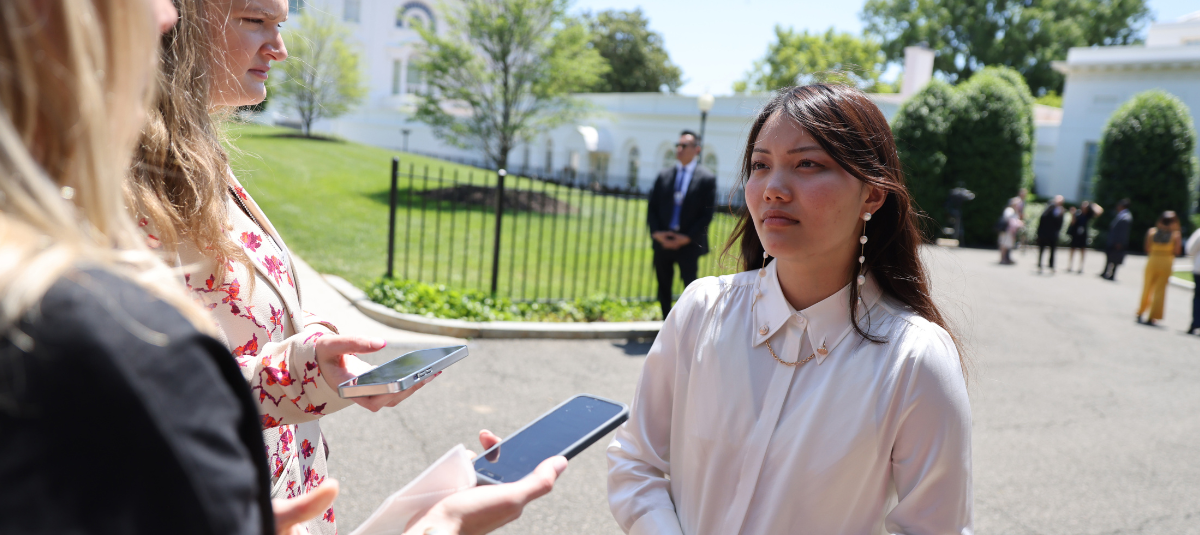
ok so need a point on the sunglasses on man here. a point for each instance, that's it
(684, 145)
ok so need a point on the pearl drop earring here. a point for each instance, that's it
(862, 258)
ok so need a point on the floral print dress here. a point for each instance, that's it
(260, 320)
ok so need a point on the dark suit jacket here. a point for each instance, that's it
(117, 416)
(1050, 224)
(1118, 232)
(696, 212)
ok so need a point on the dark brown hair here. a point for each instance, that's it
(857, 136)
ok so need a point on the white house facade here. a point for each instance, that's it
(1100, 79)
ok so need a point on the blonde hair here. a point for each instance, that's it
(72, 95)
(178, 180)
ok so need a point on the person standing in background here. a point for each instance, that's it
(1118, 240)
(680, 209)
(1163, 243)
(1193, 249)
(1007, 227)
(1049, 226)
(1078, 230)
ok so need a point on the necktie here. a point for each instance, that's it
(679, 193)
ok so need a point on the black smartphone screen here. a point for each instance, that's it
(551, 435)
(405, 365)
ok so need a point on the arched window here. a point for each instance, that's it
(412, 82)
(549, 169)
(351, 10)
(710, 159)
(633, 167)
(668, 158)
(415, 13)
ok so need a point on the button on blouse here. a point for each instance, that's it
(866, 438)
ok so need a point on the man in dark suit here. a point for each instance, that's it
(1118, 239)
(1049, 227)
(681, 207)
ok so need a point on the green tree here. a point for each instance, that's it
(1147, 154)
(321, 77)
(921, 128)
(1023, 34)
(800, 57)
(984, 151)
(636, 54)
(503, 71)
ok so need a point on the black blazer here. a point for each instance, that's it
(1118, 232)
(117, 416)
(696, 212)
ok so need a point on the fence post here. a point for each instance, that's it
(499, 214)
(392, 216)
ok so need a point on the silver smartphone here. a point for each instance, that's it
(566, 430)
(402, 372)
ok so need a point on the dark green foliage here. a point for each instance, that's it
(987, 141)
(636, 54)
(1027, 35)
(1013, 78)
(436, 301)
(920, 129)
(1147, 155)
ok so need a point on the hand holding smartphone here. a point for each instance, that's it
(403, 372)
(565, 430)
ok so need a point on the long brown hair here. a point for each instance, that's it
(179, 173)
(857, 136)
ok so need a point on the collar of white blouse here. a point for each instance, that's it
(826, 323)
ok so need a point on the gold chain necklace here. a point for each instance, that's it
(786, 363)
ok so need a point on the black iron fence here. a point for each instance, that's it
(528, 237)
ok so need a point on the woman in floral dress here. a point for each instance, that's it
(197, 214)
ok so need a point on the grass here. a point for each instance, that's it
(1185, 275)
(329, 199)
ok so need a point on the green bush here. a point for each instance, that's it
(985, 149)
(920, 129)
(411, 297)
(1147, 155)
(1017, 81)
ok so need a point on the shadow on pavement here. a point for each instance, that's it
(635, 347)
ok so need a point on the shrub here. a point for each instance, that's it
(1017, 81)
(411, 297)
(1147, 155)
(920, 129)
(986, 144)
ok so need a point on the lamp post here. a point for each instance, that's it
(705, 103)
(405, 133)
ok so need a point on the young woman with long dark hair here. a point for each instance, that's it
(820, 389)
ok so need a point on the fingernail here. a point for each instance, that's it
(378, 343)
(559, 463)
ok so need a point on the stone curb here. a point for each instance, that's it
(1176, 281)
(491, 329)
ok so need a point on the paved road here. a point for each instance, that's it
(1085, 423)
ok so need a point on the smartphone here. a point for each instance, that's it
(403, 372)
(566, 430)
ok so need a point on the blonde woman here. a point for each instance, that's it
(118, 413)
(196, 212)
(103, 357)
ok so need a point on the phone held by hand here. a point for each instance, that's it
(566, 430)
(403, 372)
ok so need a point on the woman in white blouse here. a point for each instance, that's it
(818, 391)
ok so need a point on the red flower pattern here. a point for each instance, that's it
(251, 241)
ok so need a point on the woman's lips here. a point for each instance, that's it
(776, 218)
(261, 74)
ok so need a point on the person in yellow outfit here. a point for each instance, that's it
(1163, 244)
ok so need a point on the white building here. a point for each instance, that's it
(630, 138)
(1100, 79)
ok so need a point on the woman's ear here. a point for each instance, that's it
(875, 197)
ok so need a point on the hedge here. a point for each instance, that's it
(1147, 154)
(920, 129)
(985, 150)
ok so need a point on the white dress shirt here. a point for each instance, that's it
(1193, 249)
(866, 438)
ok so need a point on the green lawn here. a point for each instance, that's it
(329, 199)
(1185, 275)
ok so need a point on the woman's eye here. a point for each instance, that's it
(757, 165)
(807, 164)
(254, 21)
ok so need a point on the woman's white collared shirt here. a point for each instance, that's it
(866, 438)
